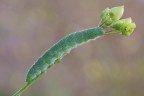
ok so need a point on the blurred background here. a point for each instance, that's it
(110, 66)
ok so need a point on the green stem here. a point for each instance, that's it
(18, 93)
(101, 23)
(112, 32)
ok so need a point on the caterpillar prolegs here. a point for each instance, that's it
(62, 48)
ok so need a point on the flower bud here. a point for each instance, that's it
(104, 14)
(124, 26)
(127, 20)
(116, 12)
(128, 29)
(117, 24)
(110, 18)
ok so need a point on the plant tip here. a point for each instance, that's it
(116, 12)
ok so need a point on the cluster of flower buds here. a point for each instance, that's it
(111, 18)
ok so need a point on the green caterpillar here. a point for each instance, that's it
(109, 18)
(62, 48)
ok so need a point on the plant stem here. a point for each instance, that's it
(112, 32)
(101, 23)
(18, 93)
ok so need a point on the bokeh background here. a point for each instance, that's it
(110, 66)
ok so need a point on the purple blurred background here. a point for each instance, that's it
(110, 66)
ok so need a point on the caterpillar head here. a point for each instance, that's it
(111, 18)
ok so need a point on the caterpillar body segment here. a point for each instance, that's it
(60, 49)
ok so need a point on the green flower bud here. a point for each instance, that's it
(110, 18)
(124, 26)
(104, 14)
(116, 12)
(108, 22)
(117, 24)
(128, 29)
(127, 20)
